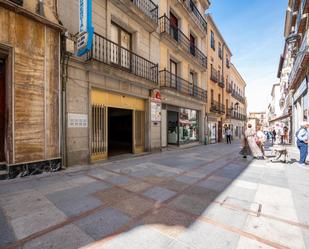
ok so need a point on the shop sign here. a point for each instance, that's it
(77, 120)
(156, 107)
(155, 94)
(85, 35)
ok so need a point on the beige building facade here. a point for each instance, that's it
(29, 85)
(236, 103)
(183, 66)
(226, 105)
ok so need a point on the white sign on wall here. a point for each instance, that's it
(77, 120)
(155, 111)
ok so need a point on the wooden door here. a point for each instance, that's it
(2, 110)
(174, 26)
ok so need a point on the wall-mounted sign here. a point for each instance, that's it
(77, 120)
(84, 39)
(155, 110)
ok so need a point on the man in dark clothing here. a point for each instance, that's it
(274, 135)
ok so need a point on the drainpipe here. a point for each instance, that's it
(41, 7)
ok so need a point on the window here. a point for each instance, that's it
(219, 98)
(174, 26)
(212, 95)
(219, 50)
(212, 41)
(219, 75)
(121, 46)
(192, 45)
(173, 69)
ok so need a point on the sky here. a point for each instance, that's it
(253, 30)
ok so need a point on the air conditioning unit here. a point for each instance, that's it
(19, 2)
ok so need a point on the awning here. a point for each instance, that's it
(281, 118)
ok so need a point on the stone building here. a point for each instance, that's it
(183, 66)
(236, 103)
(297, 43)
(29, 83)
(219, 56)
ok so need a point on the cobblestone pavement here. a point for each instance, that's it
(198, 198)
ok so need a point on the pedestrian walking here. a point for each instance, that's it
(274, 133)
(302, 137)
(228, 135)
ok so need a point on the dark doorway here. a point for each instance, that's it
(2, 109)
(174, 26)
(120, 130)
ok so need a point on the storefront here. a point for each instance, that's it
(212, 130)
(300, 106)
(117, 124)
(181, 125)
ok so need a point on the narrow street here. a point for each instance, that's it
(202, 197)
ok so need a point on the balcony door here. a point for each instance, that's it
(174, 26)
(192, 45)
(121, 47)
(173, 69)
(2, 110)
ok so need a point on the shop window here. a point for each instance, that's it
(188, 125)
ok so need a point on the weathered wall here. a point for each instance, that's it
(35, 86)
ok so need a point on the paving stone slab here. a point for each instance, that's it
(77, 192)
(190, 204)
(245, 243)
(201, 235)
(168, 222)
(36, 221)
(76, 205)
(142, 237)
(6, 232)
(276, 231)
(215, 183)
(159, 194)
(134, 205)
(68, 237)
(103, 223)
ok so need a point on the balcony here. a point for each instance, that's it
(143, 11)
(110, 53)
(229, 88)
(172, 81)
(221, 83)
(178, 38)
(197, 16)
(238, 116)
(214, 75)
(217, 107)
(302, 59)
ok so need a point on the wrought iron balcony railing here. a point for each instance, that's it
(302, 53)
(190, 5)
(214, 75)
(184, 42)
(217, 107)
(172, 81)
(238, 116)
(221, 83)
(229, 88)
(149, 8)
(109, 52)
